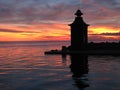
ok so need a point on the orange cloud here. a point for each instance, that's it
(103, 29)
(104, 34)
(34, 32)
(52, 31)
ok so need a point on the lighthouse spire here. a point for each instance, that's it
(78, 13)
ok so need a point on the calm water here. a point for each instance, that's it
(23, 66)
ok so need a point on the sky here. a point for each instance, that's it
(47, 20)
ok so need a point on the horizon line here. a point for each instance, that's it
(58, 41)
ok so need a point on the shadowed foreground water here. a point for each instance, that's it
(23, 66)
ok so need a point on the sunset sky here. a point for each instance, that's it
(43, 20)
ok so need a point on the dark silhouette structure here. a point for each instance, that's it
(79, 38)
(79, 68)
(79, 41)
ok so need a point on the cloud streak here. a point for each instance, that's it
(16, 31)
(108, 34)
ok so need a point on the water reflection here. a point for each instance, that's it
(79, 68)
(64, 60)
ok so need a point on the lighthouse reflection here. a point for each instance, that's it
(79, 68)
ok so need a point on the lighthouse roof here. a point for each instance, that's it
(78, 13)
(79, 20)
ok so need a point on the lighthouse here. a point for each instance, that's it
(79, 33)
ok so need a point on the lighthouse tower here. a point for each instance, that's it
(79, 38)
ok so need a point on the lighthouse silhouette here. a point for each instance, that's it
(79, 33)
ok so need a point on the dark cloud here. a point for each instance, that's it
(55, 38)
(108, 34)
(102, 38)
(96, 38)
(112, 4)
(96, 12)
(29, 11)
(112, 34)
(102, 12)
(16, 31)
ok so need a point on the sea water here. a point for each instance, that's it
(24, 66)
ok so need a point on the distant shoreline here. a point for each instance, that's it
(86, 52)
